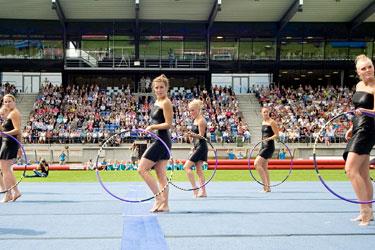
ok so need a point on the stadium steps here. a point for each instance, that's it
(25, 103)
(250, 108)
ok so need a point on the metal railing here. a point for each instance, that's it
(78, 59)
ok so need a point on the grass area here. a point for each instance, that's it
(222, 175)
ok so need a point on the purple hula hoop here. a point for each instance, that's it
(277, 184)
(209, 179)
(116, 196)
(25, 156)
(316, 163)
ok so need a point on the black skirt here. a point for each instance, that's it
(157, 151)
(361, 143)
(9, 149)
(267, 149)
(200, 152)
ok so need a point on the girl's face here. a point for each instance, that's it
(9, 102)
(160, 89)
(365, 70)
(194, 111)
(265, 113)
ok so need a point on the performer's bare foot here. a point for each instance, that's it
(7, 197)
(157, 204)
(195, 193)
(366, 214)
(359, 218)
(267, 189)
(202, 194)
(163, 208)
(16, 196)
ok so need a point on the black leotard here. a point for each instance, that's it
(268, 147)
(9, 147)
(200, 147)
(157, 150)
(363, 133)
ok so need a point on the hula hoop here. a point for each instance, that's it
(261, 183)
(107, 189)
(24, 170)
(209, 179)
(316, 163)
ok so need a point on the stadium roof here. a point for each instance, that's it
(347, 11)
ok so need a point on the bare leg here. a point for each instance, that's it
(144, 168)
(2, 185)
(258, 163)
(267, 182)
(161, 173)
(190, 175)
(9, 181)
(353, 167)
(202, 191)
(368, 188)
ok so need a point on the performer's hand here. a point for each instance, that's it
(149, 128)
(358, 111)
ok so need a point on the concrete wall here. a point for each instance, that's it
(82, 153)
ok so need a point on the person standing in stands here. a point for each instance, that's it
(63, 155)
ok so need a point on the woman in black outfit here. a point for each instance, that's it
(9, 147)
(200, 150)
(270, 132)
(361, 138)
(157, 156)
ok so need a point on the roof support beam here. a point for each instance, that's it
(210, 21)
(363, 15)
(60, 13)
(136, 29)
(297, 6)
(215, 9)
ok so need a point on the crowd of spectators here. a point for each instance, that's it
(7, 88)
(302, 111)
(92, 114)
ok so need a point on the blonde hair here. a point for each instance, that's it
(197, 103)
(10, 96)
(361, 57)
(162, 78)
(266, 108)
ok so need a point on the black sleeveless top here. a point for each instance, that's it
(363, 133)
(267, 131)
(195, 129)
(362, 99)
(157, 151)
(8, 125)
(157, 117)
